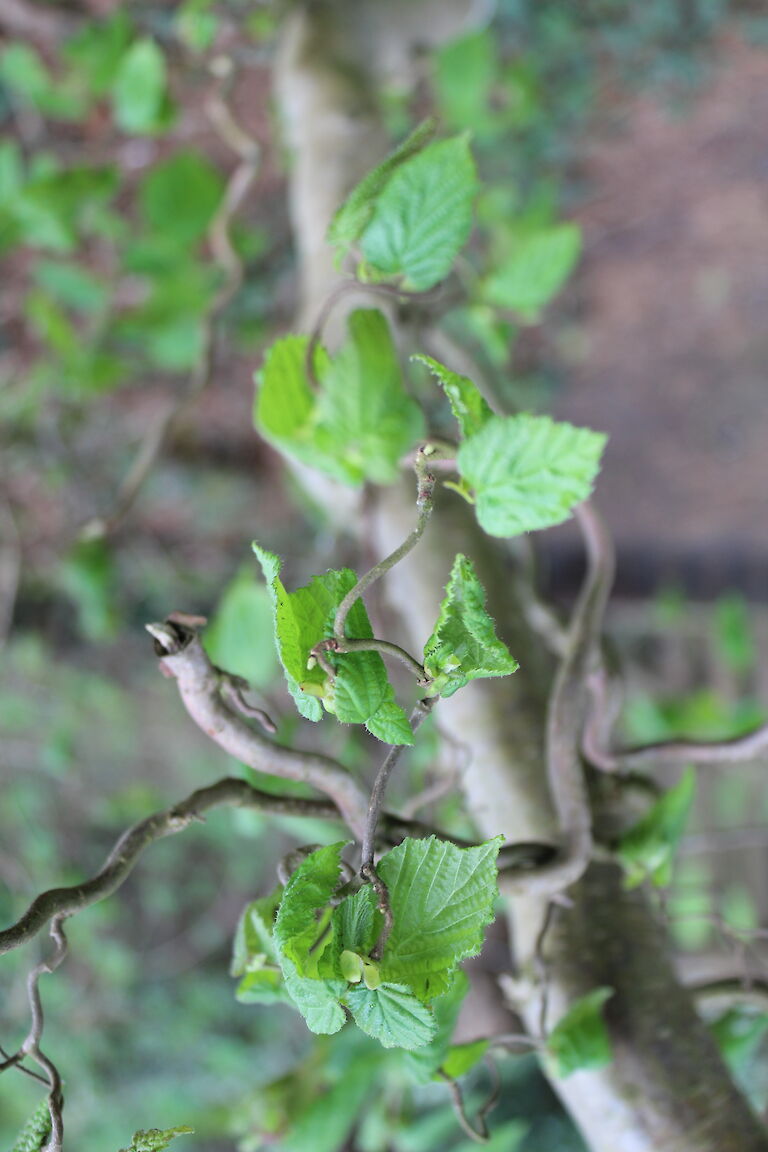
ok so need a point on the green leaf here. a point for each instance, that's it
(155, 1140)
(179, 197)
(467, 403)
(392, 1015)
(423, 216)
(36, 1131)
(647, 850)
(580, 1039)
(139, 88)
(360, 423)
(357, 921)
(425, 1062)
(464, 645)
(528, 472)
(304, 926)
(360, 692)
(441, 897)
(295, 633)
(254, 942)
(464, 73)
(71, 285)
(540, 263)
(350, 220)
(462, 1058)
(263, 986)
(738, 1033)
(366, 419)
(317, 1000)
(95, 52)
(239, 637)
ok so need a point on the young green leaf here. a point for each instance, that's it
(462, 1058)
(441, 897)
(350, 220)
(263, 986)
(360, 692)
(425, 1062)
(464, 645)
(254, 942)
(304, 925)
(580, 1039)
(139, 88)
(239, 636)
(423, 216)
(36, 1131)
(540, 263)
(357, 922)
(467, 403)
(179, 197)
(366, 419)
(317, 1000)
(392, 1015)
(647, 850)
(528, 472)
(155, 1139)
(360, 422)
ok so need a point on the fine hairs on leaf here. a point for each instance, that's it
(464, 645)
(155, 1139)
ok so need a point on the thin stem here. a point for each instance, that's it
(385, 647)
(60, 902)
(424, 504)
(378, 792)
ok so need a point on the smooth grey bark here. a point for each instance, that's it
(667, 1089)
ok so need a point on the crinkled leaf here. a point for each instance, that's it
(535, 270)
(425, 1062)
(360, 421)
(139, 88)
(528, 472)
(304, 925)
(464, 645)
(317, 1000)
(155, 1139)
(441, 897)
(350, 220)
(357, 922)
(647, 850)
(36, 1131)
(580, 1038)
(360, 692)
(466, 400)
(423, 216)
(392, 1015)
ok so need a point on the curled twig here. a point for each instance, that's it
(478, 1131)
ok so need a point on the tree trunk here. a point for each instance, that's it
(667, 1089)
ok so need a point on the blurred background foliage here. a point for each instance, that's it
(111, 177)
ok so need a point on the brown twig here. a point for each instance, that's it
(567, 712)
(184, 658)
(667, 753)
(230, 791)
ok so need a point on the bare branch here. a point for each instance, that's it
(567, 712)
(230, 791)
(199, 684)
(666, 753)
